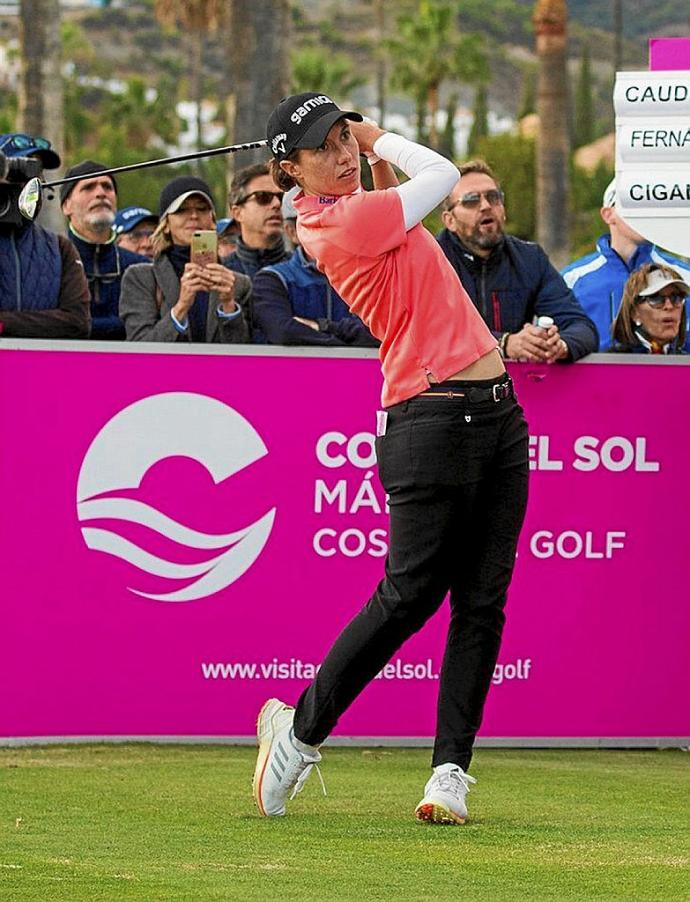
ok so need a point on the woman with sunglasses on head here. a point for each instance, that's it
(652, 318)
(452, 446)
(175, 298)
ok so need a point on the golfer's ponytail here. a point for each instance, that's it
(280, 176)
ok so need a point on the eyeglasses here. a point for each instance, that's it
(493, 196)
(138, 234)
(263, 198)
(656, 301)
(24, 142)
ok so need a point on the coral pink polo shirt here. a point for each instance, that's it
(399, 283)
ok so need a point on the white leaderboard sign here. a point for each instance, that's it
(653, 155)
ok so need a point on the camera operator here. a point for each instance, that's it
(89, 205)
(43, 289)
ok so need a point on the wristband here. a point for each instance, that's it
(503, 345)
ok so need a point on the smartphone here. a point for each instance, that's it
(204, 247)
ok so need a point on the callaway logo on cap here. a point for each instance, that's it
(303, 120)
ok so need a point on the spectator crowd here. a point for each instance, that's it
(132, 273)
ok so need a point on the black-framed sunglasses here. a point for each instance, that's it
(24, 142)
(656, 301)
(472, 199)
(263, 198)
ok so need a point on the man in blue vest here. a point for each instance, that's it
(43, 290)
(89, 205)
(294, 303)
(597, 280)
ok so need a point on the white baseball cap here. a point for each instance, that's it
(656, 280)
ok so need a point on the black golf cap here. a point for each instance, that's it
(176, 192)
(89, 169)
(303, 120)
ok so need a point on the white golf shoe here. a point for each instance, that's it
(444, 796)
(281, 768)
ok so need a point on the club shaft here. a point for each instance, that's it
(196, 155)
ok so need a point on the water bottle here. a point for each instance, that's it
(544, 322)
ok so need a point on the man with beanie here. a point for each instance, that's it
(254, 203)
(597, 279)
(43, 290)
(89, 205)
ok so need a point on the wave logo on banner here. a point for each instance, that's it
(148, 431)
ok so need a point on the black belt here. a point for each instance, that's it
(501, 391)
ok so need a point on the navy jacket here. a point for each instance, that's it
(43, 291)
(516, 283)
(30, 269)
(249, 260)
(297, 288)
(104, 265)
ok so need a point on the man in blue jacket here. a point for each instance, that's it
(90, 204)
(598, 279)
(511, 281)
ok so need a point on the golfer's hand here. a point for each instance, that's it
(366, 134)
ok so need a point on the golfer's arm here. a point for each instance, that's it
(383, 175)
(431, 176)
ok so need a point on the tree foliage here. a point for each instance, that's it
(191, 15)
(429, 51)
(314, 69)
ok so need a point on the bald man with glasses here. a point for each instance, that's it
(511, 282)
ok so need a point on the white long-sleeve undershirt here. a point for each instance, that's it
(431, 176)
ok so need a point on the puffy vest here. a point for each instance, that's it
(30, 269)
(310, 292)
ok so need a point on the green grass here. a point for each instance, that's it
(178, 822)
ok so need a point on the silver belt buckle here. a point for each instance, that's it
(500, 391)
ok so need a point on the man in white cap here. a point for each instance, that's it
(597, 279)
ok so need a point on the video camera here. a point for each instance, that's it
(14, 174)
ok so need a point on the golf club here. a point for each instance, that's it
(31, 195)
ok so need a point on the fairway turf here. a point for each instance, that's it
(168, 822)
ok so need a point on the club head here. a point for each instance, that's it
(30, 198)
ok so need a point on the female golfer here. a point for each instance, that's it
(452, 445)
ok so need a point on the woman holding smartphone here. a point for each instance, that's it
(452, 446)
(179, 297)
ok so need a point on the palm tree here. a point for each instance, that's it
(258, 42)
(197, 18)
(550, 21)
(429, 51)
(40, 96)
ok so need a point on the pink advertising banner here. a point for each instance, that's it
(183, 535)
